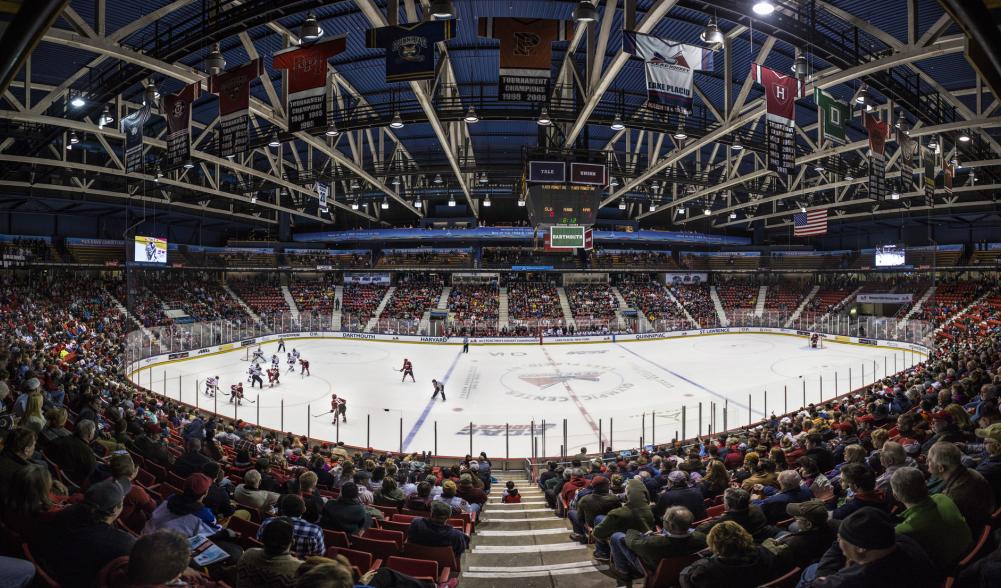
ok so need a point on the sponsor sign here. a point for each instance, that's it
(368, 336)
(885, 298)
(713, 331)
(499, 430)
(178, 355)
(248, 342)
(434, 339)
(547, 171)
(566, 236)
(591, 174)
(864, 341)
(686, 278)
(203, 351)
(226, 347)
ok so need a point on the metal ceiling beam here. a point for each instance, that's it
(376, 16)
(602, 83)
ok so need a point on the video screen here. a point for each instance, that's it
(150, 250)
(889, 256)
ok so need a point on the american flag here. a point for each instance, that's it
(811, 222)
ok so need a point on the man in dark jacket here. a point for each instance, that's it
(990, 467)
(346, 513)
(470, 493)
(736, 561)
(811, 539)
(434, 531)
(869, 554)
(633, 550)
(74, 455)
(679, 493)
(148, 445)
(791, 490)
(19, 445)
(634, 514)
(819, 452)
(862, 482)
(598, 503)
(193, 459)
(217, 500)
(738, 508)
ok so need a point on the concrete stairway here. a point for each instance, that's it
(292, 308)
(916, 308)
(502, 313)
(424, 326)
(372, 322)
(565, 307)
(759, 307)
(128, 315)
(682, 308)
(718, 305)
(802, 305)
(443, 299)
(335, 320)
(527, 546)
(623, 305)
(242, 304)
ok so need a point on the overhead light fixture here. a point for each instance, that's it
(585, 12)
(150, 95)
(215, 63)
(711, 35)
(733, 215)
(862, 97)
(680, 134)
(933, 143)
(396, 180)
(800, 67)
(736, 145)
(451, 200)
(682, 211)
(159, 172)
(486, 201)
(417, 203)
(442, 9)
(544, 120)
(253, 198)
(354, 205)
(483, 178)
(655, 185)
(653, 206)
(311, 30)
(707, 211)
(397, 122)
(617, 123)
(964, 137)
(763, 7)
(331, 130)
(188, 164)
(471, 116)
(354, 184)
(437, 179)
(73, 138)
(894, 195)
(819, 168)
(274, 143)
(973, 177)
(78, 102)
(613, 182)
(802, 208)
(521, 202)
(901, 121)
(849, 177)
(106, 118)
(385, 203)
(622, 204)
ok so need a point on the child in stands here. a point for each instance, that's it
(511, 495)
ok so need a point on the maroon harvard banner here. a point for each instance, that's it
(307, 81)
(781, 92)
(233, 88)
(177, 111)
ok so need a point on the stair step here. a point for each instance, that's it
(523, 532)
(549, 510)
(568, 546)
(503, 572)
(524, 520)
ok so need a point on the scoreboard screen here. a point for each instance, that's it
(560, 204)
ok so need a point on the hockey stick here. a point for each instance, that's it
(322, 413)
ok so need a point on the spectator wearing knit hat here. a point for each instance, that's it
(869, 554)
(468, 492)
(680, 493)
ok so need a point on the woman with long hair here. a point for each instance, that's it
(27, 502)
(33, 412)
(716, 480)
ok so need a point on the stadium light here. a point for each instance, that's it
(354, 205)
(933, 143)
(437, 179)
(397, 122)
(486, 201)
(964, 137)
(849, 177)
(471, 116)
(655, 185)
(73, 138)
(733, 215)
(617, 123)
(862, 97)
(544, 120)
(253, 198)
(707, 211)
(483, 178)
(354, 184)
(711, 35)
(451, 201)
(396, 180)
(189, 164)
(585, 12)
(159, 173)
(215, 63)
(106, 118)
(622, 204)
(802, 208)
(385, 203)
(274, 143)
(613, 182)
(311, 30)
(78, 101)
(894, 195)
(653, 206)
(332, 130)
(736, 145)
(442, 9)
(521, 202)
(680, 134)
(818, 167)
(901, 122)
(417, 203)
(763, 7)
(800, 67)
(682, 211)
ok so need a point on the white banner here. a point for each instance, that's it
(686, 278)
(885, 298)
(322, 192)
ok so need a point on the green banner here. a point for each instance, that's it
(566, 236)
(833, 115)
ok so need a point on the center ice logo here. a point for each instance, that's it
(544, 381)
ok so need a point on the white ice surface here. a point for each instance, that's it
(595, 387)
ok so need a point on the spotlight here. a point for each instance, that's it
(617, 123)
(901, 122)
(354, 205)
(385, 203)
(544, 120)
(711, 35)
(354, 184)
(483, 178)
(331, 130)
(274, 143)
(106, 118)
(733, 215)
(417, 203)
(800, 67)
(964, 137)
(585, 12)
(437, 179)
(397, 122)
(707, 211)
(471, 116)
(894, 195)
(680, 134)
(862, 97)
(763, 7)
(818, 167)
(451, 201)
(653, 206)
(78, 102)
(655, 185)
(849, 177)
(736, 145)
(396, 181)
(215, 63)
(311, 30)
(73, 138)
(682, 211)
(442, 9)
(253, 198)
(486, 201)
(189, 164)
(521, 202)
(622, 204)
(932, 143)
(613, 182)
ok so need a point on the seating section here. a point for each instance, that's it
(698, 302)
(96, 254)
(507, 257)
(986, 254)
(474, 309)
(313, 295)
(738, 294)
(534, 300)
(949, 298)
(201, 299)
(806, 262)
(304, 258)
(784, 298)
(234, 257)
(625, 259)
(414, 295)
(939, 258)
(17, 250)
(360, 302)
(592, 305)
(430, 258)
(264, 298)
(720, 261)
(646, 295)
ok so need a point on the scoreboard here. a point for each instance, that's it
(560, 204)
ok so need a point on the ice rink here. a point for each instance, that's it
(624, 391)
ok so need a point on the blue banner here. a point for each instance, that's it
(511, 234)
(94, 242)
(837, 253)
(329, 251)
(722, 253)
(12, 238)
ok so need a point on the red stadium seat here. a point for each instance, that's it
(407, 518)
(420, 569)
(379, 549)
(42, 578)
(977, 550)
(715, 511)
(335, 538)
(397, 537)
(788, 580)
(359, 559)
(668, 571)
(443, 555)
(396, 526)
(243, 527)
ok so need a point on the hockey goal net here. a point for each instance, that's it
(815, 341)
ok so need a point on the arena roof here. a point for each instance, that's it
(908, 57)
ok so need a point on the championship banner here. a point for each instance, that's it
(132, 126)
(928, 171)
(670, 69)
(832, 114)
(907, 145)
(322, 192)
(781, 92)
(410, 48)
(233, 88)
(177, 111)
(526, 54)
(307, 81)
(878, 133)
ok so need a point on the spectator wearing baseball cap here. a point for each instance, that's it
(599, 502)
(185, 512)
(809, 541)
(680, 492)
(434, 531)
(82, 538)
(990, 466)
(307, 538)
(869, 554)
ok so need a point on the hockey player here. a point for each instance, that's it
(273, 376)
(281, 344)
(439, 388)
(236, 393)
(274, 362)
(291, 362)
(304, 364)
(339, 407)
(815, 340)
(258, 356)
(255, 376)
(212, 386)
(295, 354)
(408, 370)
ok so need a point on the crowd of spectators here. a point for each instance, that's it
(418, 259)
(621, 259)
(698, 302)
(647, 296)
(415, 294)
(533, 300)
(21, 250)
(328, 258)
(475, 309)
(314, 295)
(360, 302)
(592, 305)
